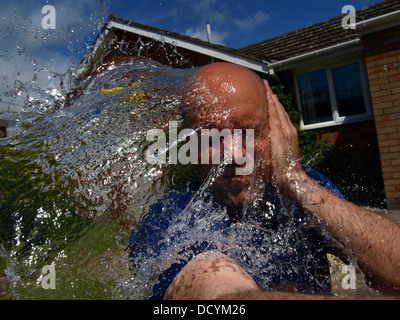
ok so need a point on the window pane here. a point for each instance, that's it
(349, 90)
(314, 97)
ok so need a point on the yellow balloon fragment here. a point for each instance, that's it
(136, 95)
(107, 91)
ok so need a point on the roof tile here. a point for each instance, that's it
(317, 36)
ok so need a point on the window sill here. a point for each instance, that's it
(343, 120)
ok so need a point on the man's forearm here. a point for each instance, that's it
(373, 239)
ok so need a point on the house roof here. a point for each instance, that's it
(178, 36)
(266, 55)
(318, 36)
(216, 51)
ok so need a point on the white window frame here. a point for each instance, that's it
(337, 119)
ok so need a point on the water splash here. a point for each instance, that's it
(81, 154)
(76, 182)
(72, 165)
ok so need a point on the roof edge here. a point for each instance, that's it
(203, 47)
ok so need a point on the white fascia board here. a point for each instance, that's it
(378, 23)
(208, 51)
(290, 62)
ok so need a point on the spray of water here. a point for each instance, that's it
(76, 182)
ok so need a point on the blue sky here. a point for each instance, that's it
(234, 23)
(27, 51)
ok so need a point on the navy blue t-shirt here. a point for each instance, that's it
(276, 245)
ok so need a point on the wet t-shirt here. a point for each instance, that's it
(275, 243)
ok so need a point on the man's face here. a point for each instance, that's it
(234, 102)
(227, 184)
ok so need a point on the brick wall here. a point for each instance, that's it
(382, 57)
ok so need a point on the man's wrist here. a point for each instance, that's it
(300, 186)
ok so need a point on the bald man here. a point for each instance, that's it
(229, 96)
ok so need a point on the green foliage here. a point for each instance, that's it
(41, 218)
(34, 200)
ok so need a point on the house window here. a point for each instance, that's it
(333, 96)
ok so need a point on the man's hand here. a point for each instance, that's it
(373, 239)
(284, 148)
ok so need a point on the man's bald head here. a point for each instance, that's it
(225, 92)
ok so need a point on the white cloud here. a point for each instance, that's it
(217, 37)
(215, 11)
(249, 23)
(31, 56)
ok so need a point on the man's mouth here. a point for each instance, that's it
(241, 178)
(235, 183)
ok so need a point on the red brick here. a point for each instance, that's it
(376, 69)
(395, 78)
(393, 123)
(395, 174)
(393, 136)
(385, 117)
(388, 73)
(386, 60)
(378, 81)
(389, 188)
(392, 66)
(380, 93)
(385, 105)
(391, 97)
(380, 125)
(392, 110)
(394, 149)
(392, 169)
(371, 63)
(385, 149)
(386, 54)
(374, 88)
(395, 194)
(387, 175)
(389, 156)
(392, 182)
(390, 85)
(372, 76)
(387, 129)
(396, 163)
(374, 57)
(388, 143)
(382, 137)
